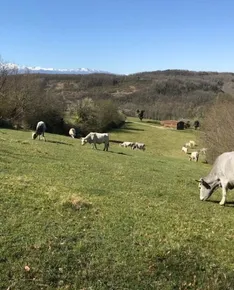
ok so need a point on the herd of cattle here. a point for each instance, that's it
(221, 174)
(194, 156)
(93, 138)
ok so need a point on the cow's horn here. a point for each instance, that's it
(205, 183)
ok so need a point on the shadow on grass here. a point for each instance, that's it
(110, 151)
(133, 129)
(227, 203)
(127, 130)
(28, 156)
(59, 142)
(121, 153)
(153, 122)
(190, 268)
(116, 141)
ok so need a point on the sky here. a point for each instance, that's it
(119, 36)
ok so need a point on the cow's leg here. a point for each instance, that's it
(224, 193)
(95, 145)
(106, 146)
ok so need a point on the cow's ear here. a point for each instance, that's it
(203, 182)
(197, 180)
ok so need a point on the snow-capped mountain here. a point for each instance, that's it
(38, 69)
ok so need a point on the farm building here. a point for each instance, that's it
(179, 125)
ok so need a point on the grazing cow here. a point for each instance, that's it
(72, 132)
(221, 175)
(203, 151)
(127, 144)
(140, 146)
(194, 156)
(96, 138)
(187, 144)
(192, 143)
(184, 149)
(40, 131)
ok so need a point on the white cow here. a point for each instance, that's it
(40, 131)
(140, 146)
(96, 138)
(203, 151)
(126, 144)
(221, 175)
(194, 156)
(184, 149)
(72, 132)
(187, 144)
(192, 143)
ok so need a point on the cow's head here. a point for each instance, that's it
(34, 136)
(83, 141)
(205, 189)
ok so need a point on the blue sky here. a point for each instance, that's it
(119, 36)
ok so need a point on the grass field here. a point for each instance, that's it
(78, 218)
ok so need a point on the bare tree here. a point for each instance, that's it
(218, 129)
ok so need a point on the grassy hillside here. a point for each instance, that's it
(78, 218)
(97, 101)
(165, 94)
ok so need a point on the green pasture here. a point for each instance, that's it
(76, 218)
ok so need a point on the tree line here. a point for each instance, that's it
(28, 98)
(100, 102)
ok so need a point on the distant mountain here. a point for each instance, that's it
(42, 70)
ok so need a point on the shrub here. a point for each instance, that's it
(25, 100)
(218, 129)
(100, 116)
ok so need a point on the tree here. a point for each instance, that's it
(140, 114)
(196, 124)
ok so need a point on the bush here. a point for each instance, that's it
(25, 100)
(218, 129)
(5, 123)
(99, 116)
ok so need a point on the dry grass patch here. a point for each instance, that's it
(77, 203)
(25, 142)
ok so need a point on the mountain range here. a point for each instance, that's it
(42, 70)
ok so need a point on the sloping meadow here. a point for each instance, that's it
(77, 218)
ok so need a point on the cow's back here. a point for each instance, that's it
(102, 137)
(40, 124)
(41, 127)
(224, 165)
